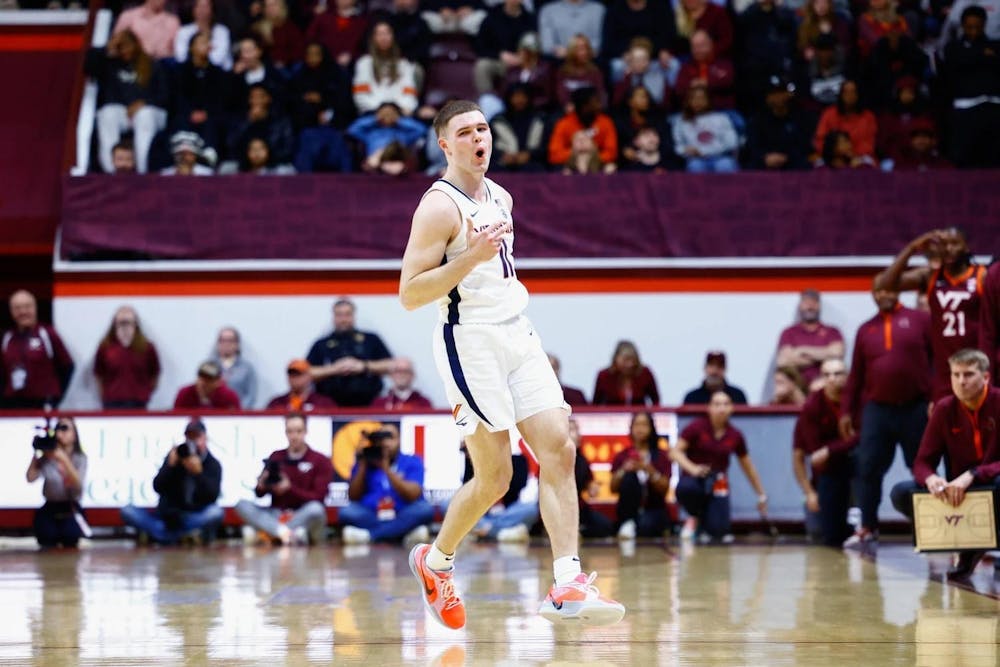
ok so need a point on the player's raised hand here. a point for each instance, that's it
(484, 244)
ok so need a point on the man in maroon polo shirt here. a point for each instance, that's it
(818, 442)
(888, 388)
(989, 317)
(953, 292)
(209, 392)
(402, 397)
(808, 343)
(35, 367)
(963, 431)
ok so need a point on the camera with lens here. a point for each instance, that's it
(375, 450)
(273, 472)
(185, 449)
(46, 440)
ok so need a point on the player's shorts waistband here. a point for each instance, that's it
(510, 320)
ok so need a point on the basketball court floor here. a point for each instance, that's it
(751, 603)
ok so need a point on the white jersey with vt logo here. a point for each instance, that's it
(491, 292)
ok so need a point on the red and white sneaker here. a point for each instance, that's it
(580, 600)
(438, 590)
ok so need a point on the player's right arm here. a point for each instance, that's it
(897, 277)
(424, 278)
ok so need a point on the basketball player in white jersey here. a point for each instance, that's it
(496, 375)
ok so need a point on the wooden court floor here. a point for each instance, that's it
(745, 604)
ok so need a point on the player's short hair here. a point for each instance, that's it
(449, 111)
(970, 357)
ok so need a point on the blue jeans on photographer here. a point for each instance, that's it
(56, 524)
(418, 513)
(169, 526)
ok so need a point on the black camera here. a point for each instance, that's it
(273, 472)
(46, 442)
(185, 449)
(375, 451)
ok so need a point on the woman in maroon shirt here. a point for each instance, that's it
(126, 366)
(626, 381)
(640, 475)
(702, 452)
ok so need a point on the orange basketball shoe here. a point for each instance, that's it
(580, 600)
(438, 590)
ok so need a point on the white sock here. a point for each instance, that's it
(566, 569)
(439, 560)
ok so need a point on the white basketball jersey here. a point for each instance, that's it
(491, 292)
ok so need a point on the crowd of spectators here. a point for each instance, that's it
(573, 86)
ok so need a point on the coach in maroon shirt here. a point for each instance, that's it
(963, 431)
(808, 343)
(989, 317)
(209, 392)
(819, 442)
(888, 386)
(35, 367)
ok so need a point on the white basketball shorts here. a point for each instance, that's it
(495, 374)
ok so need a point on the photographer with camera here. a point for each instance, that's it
(297, 478)
(58, 459)
(188, 483)
(386, 493)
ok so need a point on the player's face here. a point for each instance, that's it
(953, 247)
(967, 381)
(469, 142)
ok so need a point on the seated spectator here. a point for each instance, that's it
(640, 475)
(778, 138)
(896, 56)
(412, 33)
(972, 75)
(263, 121)
(123, 158)
(627, 20)
(822, 77)
(513, 516)
(694, 15)
(297, 478)
(209, 391)
(63, 469)
(282, 40)
(806, 344)
(636, 115)
(571, 395)
(640, 69)
(126, 366)
(592, 522)
(402, 397)
(257, 160)
(451, 16)
(251, 71)
(715, 380)
(533, 72)
(519, 133)
(133, 96)
(583, 157)
(838, 153)
(702, 451)
(386, 494)
(819, 19)
(921, 153)
(906, 108)
(626, 381)
(35, 366)
(788, 387)
(202, 93)
(562, 21)
(577, 72)
(848, 116)
(880, 20)
(819, 444)
(951, 17)
(239, 374)
(962, 433)
(383, 76)
(645, 153)
(187, 148)
(153, 26)
(587, 115)
(320, 104)
(706, 69)
(387, 126)
(188, 483)
(706, 139)
(767, 47)
(302, 395)
(497, 42)
(203, 20)
(341, 30)
(348, 365)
